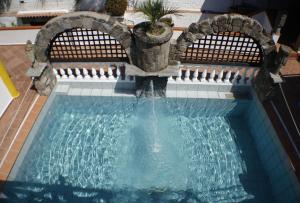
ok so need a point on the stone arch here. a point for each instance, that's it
(223, 23)
(88, 20)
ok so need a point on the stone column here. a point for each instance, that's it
(268, 78)
(150, 52)
(281, 58)
(45, 83)
(266, 84)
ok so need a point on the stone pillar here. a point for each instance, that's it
(281, 58)
(266, 84)
(268, 78)
(151, 52)
(45, 83)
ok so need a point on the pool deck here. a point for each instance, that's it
(19, 118)
(18, 140)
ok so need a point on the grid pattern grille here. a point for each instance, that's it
(224, 48)
(80, 44)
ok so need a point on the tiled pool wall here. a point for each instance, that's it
(285, 185)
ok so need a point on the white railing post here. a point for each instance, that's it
(94, 73)
(171, 79)
(118, 73)
(227, 77)
(203, 76)
(187, 74)
(63, 73)
(56, 73)
(196, 74)
(110, 73)
(85, 73)
(235, 77)
(179, 74)
(220, 76)
(102, 74)
(78, 74)
(212, 76)
(70, 73)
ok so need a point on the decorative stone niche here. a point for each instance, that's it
(151, 52)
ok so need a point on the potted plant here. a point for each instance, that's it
(152, 38)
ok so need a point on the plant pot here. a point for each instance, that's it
(151, 52)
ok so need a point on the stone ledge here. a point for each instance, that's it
(133, 70)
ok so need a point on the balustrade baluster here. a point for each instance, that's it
(94, 73)
(195, 75)
(220, 76)
(227, 77)
(63, 73)
(204, 75)
(78, 74)
(102, 74)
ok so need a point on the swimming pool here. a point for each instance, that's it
(123, 149)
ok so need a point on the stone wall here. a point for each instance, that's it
(88, 20)
(222, 23)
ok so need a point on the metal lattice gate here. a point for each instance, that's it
(82, 45)
(224, 48)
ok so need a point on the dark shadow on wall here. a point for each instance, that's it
(90, 5)
(4, 5)
(240, 6)
(253, 178)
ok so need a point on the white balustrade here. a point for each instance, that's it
(227, 77)
(171, 79)
(212, 76)
(195, 75)
(78, 74)
(187, 74)
(94, 74)
(56, 73)
(63, 73)
(179, 75)
(220, 76)
(102, 74)
(110, 73)
(118, 72)
(235, 77)
(86, 73)
(241, 75)
(203, 76)
(70, 73)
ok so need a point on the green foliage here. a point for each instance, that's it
(168, 21)
(116, 7)
(155, 10)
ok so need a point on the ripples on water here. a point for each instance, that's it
(177, 150)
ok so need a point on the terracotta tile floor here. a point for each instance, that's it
(16, 64)
(13, 152)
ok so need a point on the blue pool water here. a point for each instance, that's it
(113, 149)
